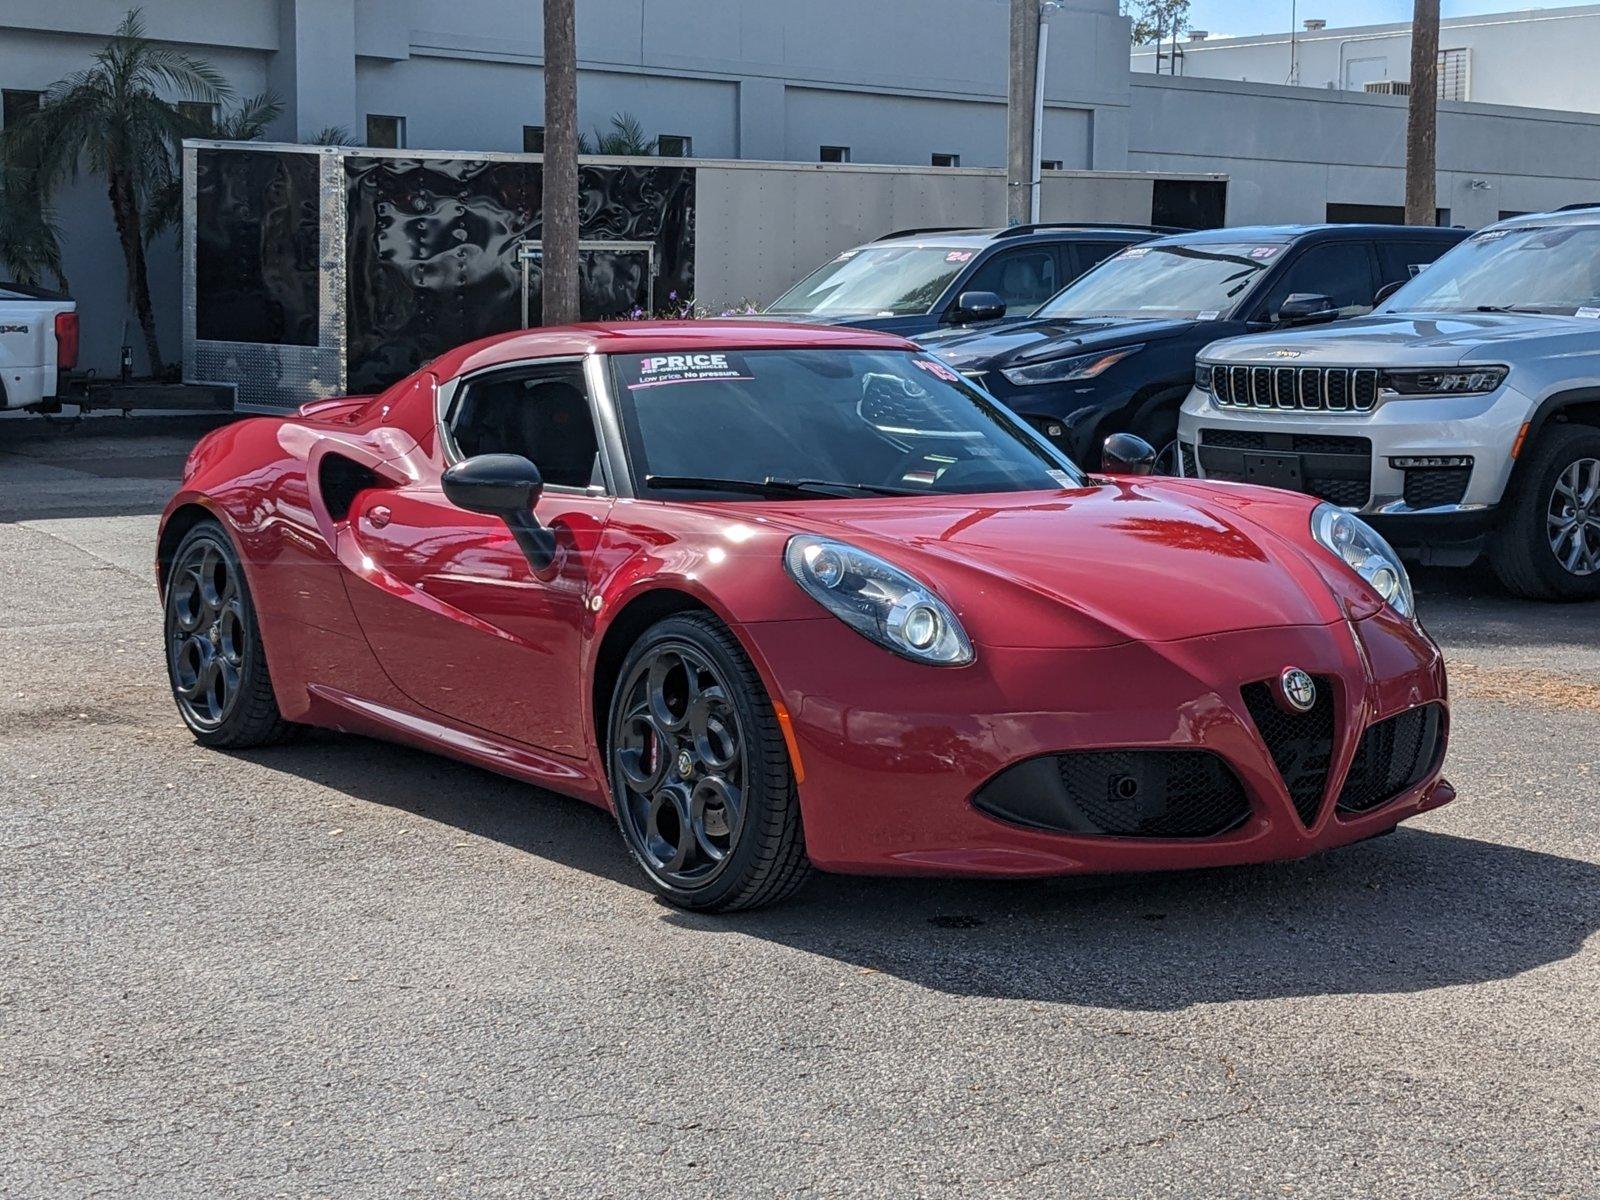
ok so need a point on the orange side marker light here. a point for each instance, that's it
(787, 725)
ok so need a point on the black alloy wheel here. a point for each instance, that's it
(700, 774)
(215, 662)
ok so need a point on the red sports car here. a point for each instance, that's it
(781, 596)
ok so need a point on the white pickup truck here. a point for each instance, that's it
(38, 345)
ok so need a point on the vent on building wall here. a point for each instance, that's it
(1455, 74)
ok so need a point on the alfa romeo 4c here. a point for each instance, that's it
(782, 597)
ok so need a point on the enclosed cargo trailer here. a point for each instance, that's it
(313, 271)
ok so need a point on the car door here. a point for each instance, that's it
(454, 613)
(1024, 277)
(1344, 271)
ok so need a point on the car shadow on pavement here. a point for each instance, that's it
(1405, 913)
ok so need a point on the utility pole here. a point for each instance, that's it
(1422, 116)
(558, 235)
(1019, 109)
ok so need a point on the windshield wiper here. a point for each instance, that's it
(1511, 308)
(771, 486)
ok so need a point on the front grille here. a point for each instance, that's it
(1303, 389)
(1333, 467)
(1186, 455)
(1394, 756)
(1301, 744)
(1120, 793)
(1431, 486)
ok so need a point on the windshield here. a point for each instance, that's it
(825, 422)
(1541, 268)
(888, 281)
(1195, 282)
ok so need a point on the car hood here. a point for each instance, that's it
(1131, 560)
(1007, 345)
(1406, 340)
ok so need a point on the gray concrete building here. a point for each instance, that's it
(913, 82)
(1532, 57)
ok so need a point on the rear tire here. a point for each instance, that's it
(1547, 546)
(1158, 425)
(216, 664)
(700, 775)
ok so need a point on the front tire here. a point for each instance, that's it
(700, 774)
(1548, 544)
(216, 664)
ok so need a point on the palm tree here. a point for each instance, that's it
(29, 241)
(626, 137)
(246, 123)
(558, 220)
(111, 118)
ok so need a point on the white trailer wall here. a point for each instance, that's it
(759, 227)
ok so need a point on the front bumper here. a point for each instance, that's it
(893, 753)
(1349, 458)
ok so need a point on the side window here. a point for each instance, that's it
(1342, 271)
(1090, 254)
(1399, 261)
(542, 414)
(1024, 278)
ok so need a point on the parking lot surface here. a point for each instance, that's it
(341, 968)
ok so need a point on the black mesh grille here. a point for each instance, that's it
(1338, 389)
(1364, 388)
(1331, 389)
(1394, 756)
(1121, 793)
(1186, 451)
(1154, 793)
(1347, 493)
(1301, 744)
(1310, 387)
(1436, 485)
(1298, 443)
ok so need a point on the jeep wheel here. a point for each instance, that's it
(1548, 544)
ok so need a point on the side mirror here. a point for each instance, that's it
(1127, 454)
(1306, 308)
(971, 307)
(505, 486)
(1388, 290)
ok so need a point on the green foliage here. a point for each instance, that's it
(30, 242)
(626, 137)
(333, 135)
(1156, 19)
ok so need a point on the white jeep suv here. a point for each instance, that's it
(1463, 415)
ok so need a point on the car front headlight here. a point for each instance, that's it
(1362, 548)
(1463, 381)
(878, 600)
(1064, 370)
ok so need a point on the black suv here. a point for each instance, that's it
(1114, 351)
(916, 280)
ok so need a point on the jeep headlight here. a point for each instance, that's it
(1463, 381)
(878, 600)
(1064, 370)
(1363, 550)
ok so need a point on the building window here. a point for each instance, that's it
(947, 160)
(674, 145)
(17, 105)
(533, 139)
(198, 113)
(834, 154)
(1050, 164)
(386, 133)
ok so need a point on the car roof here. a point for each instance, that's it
(1575, 215)
(1283, 234)
(648, 337)
(978, 238)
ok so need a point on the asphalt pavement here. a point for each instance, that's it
(344, 969)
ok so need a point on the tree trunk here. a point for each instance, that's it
(1422, 117)
(125, 210)
(1019, 110)
(559, 233)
